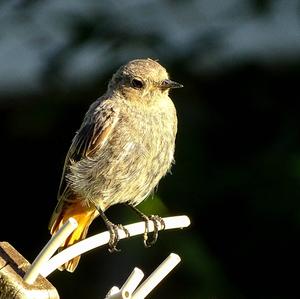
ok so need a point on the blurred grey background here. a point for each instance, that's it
(237, 172)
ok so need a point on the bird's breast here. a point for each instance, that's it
(130, 164)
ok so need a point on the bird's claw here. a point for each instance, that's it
(114, 236)
(157, 221)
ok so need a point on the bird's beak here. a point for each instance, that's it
(168, 84)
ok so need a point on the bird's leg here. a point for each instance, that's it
(113, 231)
(156, 221)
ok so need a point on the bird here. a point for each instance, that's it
(122, 149)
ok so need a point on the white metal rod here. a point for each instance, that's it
(133, 280)
(157, 276)
(53, 244)
(103, 238)
(122, 294)
(113, 291)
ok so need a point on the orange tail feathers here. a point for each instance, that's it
(84, 216)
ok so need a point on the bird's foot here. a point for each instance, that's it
(157, 223)
(114, 235)
(113, 232)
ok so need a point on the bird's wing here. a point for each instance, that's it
(99, 122)
(95, 130)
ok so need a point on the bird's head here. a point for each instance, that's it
(142, 80)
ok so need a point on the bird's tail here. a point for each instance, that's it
(84, 216)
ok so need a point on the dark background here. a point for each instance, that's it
(237, 172)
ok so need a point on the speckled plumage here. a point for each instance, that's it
(125, 144)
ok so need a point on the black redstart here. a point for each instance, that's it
(124, 146)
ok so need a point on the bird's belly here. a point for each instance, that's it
(124, 172)
(133, 173)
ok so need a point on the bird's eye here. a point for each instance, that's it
(137, 83)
